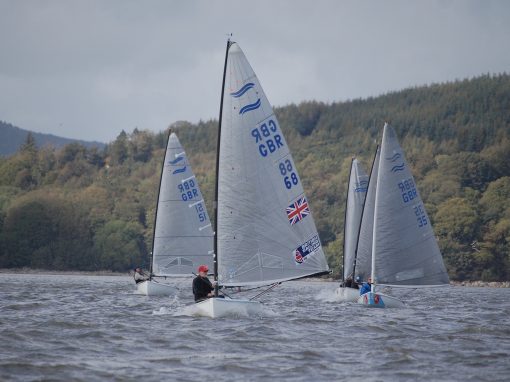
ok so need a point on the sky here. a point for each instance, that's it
(88, 69)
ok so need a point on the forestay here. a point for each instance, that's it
(183, 237)
(363, 259)
(405, 247)
(357, 190)
(266, 232)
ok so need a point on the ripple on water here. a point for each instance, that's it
(95, 328)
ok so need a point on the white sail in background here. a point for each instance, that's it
(356, 192)
(183, 237)
(266, 232)
(363, 257)
(405, 248)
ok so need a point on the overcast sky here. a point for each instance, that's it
(89, 69)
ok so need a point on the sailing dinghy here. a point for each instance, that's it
(397, 230)
(357, 189)
(265, 233)
(183, 237)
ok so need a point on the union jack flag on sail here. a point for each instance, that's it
(298, 210)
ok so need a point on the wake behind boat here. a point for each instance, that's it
(265, 233)
(183, 236)
(396, 230)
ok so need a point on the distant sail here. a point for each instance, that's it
(405, 247)
(266, 232)
(357, 190)
(183, 237)
(363, 265)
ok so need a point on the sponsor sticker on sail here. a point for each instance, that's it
(306, 249)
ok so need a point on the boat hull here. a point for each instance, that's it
(347, 294)
(379, 300)
(153, 288)
(222, 307)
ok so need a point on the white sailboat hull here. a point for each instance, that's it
(379, 300)
(153, 288)
(347, 294)
(223, 307)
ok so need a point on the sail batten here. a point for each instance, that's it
(266, 232)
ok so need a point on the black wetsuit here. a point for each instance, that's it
(201, 287)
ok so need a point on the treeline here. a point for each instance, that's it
(89, 209)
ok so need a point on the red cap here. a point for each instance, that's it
(203, 268)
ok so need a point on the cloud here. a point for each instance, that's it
(88, 69)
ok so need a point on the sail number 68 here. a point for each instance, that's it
(289, 177)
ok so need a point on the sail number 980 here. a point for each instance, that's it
(289, 177)
(408, 190)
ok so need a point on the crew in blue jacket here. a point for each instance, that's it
(366, 287)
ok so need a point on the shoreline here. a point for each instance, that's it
(29, 271)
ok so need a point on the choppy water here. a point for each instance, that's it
(87, 328)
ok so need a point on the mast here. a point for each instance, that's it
(345, 219)
(376, 210)
(157, 204)
(362, 211)
(216, 288)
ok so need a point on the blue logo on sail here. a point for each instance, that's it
(394, 157)
(179, 170)
(243, 90)
(250, 107)
(308, 248)
(398, 168)
(175, 161)
(361, 186)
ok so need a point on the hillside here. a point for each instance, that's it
(12, 137)
(78, 208)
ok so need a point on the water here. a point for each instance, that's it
(88, 328)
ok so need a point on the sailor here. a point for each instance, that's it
(202, 286)
(366, 287)
(350, 283)
(139, 275)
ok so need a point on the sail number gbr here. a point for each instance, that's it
(267, 137)
(188, 190)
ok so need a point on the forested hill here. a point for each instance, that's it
(78, 208)
(12, 137)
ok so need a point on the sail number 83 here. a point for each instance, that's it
(289, 177)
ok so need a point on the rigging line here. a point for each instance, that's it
(265, 291)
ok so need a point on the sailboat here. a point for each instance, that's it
(404, 249)
(183, 236)
(356, 192)
(265, 232)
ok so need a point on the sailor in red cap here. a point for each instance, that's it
(202, 286)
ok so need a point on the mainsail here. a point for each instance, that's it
(183, 237)
(363, 257)
(266, 232)
(405, 248)
(356, 192)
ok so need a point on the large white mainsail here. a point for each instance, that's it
(265, 228)
(363, 257)
(405, 249)
(356, 192)
(183, 237)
